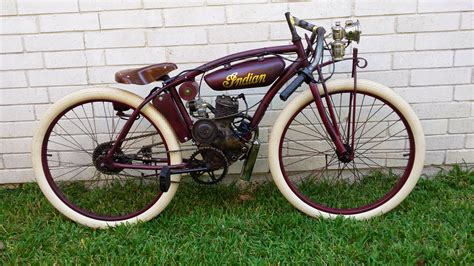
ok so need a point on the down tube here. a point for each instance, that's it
(262, 108)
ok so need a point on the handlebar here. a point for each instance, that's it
(342, 37)
(306, 74)
(294, 21)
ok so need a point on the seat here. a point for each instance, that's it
(144, 75)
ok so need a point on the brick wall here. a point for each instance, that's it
(422, 49)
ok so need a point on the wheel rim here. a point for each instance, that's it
(381, 166)
(70, 147)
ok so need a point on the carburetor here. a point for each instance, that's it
(343, 36)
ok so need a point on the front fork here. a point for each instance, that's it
(345, 151)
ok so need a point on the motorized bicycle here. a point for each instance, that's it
(347, 147)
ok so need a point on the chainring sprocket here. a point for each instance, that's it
(212, 158)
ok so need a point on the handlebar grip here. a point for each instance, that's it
(286, 93)
(305, 24)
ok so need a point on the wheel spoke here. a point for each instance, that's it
(347, 184)
(92, 188)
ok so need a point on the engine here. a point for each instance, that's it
(220, 131)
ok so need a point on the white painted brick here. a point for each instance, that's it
(269, 118)
(130, 19)
(446, 142)
(18, 25)
(435, 127)
(256, 13)
(467, 21)
(470, 141)
(319, 9)
(65, 59)
(16, 113)
(16, 145)
(17, 129)
(465, 125)
(98, 5)
(464, 57)
(116, 38)
(239, 47)
(16, 176)
(426, 94)
(444, 5)
(422, 59)
(194, 16)
(8, 7)
(392, 78)
(384, 7)
(428, 22)
(443, 40)
(171, 3)
(279, 31)
(95, 57)
(462, 156)
(54, 42)
(434, 157)
(464, 92)
(238, 33)
(69, 22)
(21, 61)
(40, 110)
(196, 53)
(440, 76)
(101, 75)
(233, 2)
(17, 160)
(177, 36)
(441, 114)
(22, 96)
(10, 44)
(133, 56)
(12, 79)
(377, 25)
(56, 93)
(50, 6)
(387, 43)
(52, 77)
(441, 110)
(375, 62)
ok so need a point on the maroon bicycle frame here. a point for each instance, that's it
(289, 72)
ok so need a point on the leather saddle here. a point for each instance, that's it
(144, 75)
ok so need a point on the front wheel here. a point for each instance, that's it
(71, 141)
(388, 152)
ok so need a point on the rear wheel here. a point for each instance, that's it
(388, 153)
(77, 132)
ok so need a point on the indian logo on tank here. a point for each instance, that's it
(234, 81)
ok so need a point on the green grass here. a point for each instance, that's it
(211, 225)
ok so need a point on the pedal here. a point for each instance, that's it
(165, 179)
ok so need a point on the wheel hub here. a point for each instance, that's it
(98, 157)
(347, 156)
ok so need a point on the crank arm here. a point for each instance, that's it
(187, 171)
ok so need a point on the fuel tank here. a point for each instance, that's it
(249, 74)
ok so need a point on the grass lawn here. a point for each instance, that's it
(212, 225)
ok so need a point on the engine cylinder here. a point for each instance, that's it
(226, 106)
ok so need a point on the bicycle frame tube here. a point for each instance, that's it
(170, 85)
